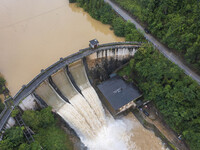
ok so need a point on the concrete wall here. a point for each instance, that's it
(102, 63)
(29, 103)
(120, 52)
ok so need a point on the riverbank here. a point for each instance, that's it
(4, 92)
(160, 81)
(155, 123)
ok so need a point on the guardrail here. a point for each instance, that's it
(29, 88)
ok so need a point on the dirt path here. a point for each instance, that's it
(156, 119)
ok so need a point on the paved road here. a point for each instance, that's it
(30, 87)
(164, 50)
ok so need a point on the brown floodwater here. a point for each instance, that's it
(36, 33)
(144, 139)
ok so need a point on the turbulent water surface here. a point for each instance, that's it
(85, 114)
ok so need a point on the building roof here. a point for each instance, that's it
(94, 42)
(118, 92)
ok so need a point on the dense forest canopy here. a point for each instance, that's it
(2, 89)
(176, 95)
(175, 22)
(48, 135)
(101, 11)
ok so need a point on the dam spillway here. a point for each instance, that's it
(65, 87)
(90, 54)
(76, 99)
(79, 75)
(71, 95)
(84, 112)
(65, 110)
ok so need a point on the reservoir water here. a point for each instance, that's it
(36, 33)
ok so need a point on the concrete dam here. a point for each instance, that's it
(65, 87)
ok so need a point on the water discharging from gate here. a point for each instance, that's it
(85, 113)
(65, 110)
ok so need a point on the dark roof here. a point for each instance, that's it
(118, 92)
(94, 42)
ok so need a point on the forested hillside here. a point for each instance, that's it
(104, 13)
(175, 22)
(2, 89)
(48, 135)
(175, 94)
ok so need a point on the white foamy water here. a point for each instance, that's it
(93, 100)
(80, 104)
(65, 110)
(76, 121)
(63, 82)
(78, 72)
(86, 115)
(115, 135)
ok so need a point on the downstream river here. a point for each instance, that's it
(36, 33)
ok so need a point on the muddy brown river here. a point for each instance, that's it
(36, 33)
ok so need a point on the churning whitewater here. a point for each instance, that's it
(85, 114)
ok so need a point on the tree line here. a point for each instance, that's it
(48, 135)
(175, 22)
(2, 89)
(101, 11)
(175, 94)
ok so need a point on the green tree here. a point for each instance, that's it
(174, 22)
(2, 83)
(119, 26)
(175, 95)
(32, 119)
(52, 138)
(46, 117)
(1, 106)
(13, 137)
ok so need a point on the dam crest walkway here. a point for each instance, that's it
(26, 90)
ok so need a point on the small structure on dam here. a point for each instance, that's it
(119, 94)
(29, 97)
(94, 43)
